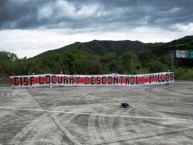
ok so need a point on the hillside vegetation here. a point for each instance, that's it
(101, 57)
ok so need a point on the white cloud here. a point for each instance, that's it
(65, 9)
(150, 34)
(33, 41)
(88, 10)
(185, 28)
(45, 12)
(174, 10)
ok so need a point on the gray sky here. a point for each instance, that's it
(30, 27)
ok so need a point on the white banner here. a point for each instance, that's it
(91, 80)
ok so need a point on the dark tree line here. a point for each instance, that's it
(81, 62)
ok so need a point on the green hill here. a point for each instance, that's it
(101, 47)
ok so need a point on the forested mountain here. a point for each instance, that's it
(102, 47)
(99, 57)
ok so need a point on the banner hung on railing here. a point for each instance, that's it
(91, 80)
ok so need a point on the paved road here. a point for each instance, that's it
(92, 116)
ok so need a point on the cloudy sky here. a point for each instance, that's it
(30, 27)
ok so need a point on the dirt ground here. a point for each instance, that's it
(92, 115)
